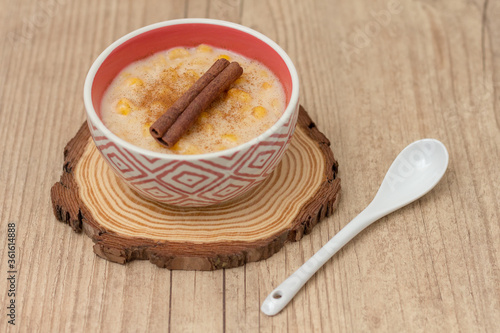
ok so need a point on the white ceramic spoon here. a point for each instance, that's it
(416, 170)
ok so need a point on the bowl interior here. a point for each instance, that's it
(187, 35)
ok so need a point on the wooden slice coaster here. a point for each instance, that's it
(124, 226)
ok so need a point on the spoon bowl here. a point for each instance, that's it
(414, 172)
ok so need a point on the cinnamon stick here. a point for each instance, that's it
(162, 124)
(200, 103)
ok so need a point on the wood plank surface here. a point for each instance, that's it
(375, 76)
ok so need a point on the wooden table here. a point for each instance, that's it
(375, 75)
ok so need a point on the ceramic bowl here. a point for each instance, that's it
(192, 180)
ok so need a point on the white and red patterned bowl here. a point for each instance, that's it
(192, 180)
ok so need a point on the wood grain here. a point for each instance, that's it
(432, 70)
(124, 226)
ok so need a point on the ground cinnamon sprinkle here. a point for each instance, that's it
(170, 126)
(162, 94)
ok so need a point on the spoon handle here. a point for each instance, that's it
(284, 293)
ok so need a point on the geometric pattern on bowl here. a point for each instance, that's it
(200, 182)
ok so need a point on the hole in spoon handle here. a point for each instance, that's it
(282, 295)
(277, 294)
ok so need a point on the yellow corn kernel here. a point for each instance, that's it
(177, 147)
(145, 130)
(204, 48)
(123, 106)
(208, 128)
(251, 68)
(169, 74)
(191, 150)
(145, 69)
(241, 80)
(178, 53)
(246, 108)
(155, 144)
(159, 61)
(267, 85)
(204, 116)
(259, 112)
(224, 56)
(240, 95)
(193, 74)
(230, 137)
(275, 103)
(198, 61)
(264, 73)
(125, 75)
(134, 82)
